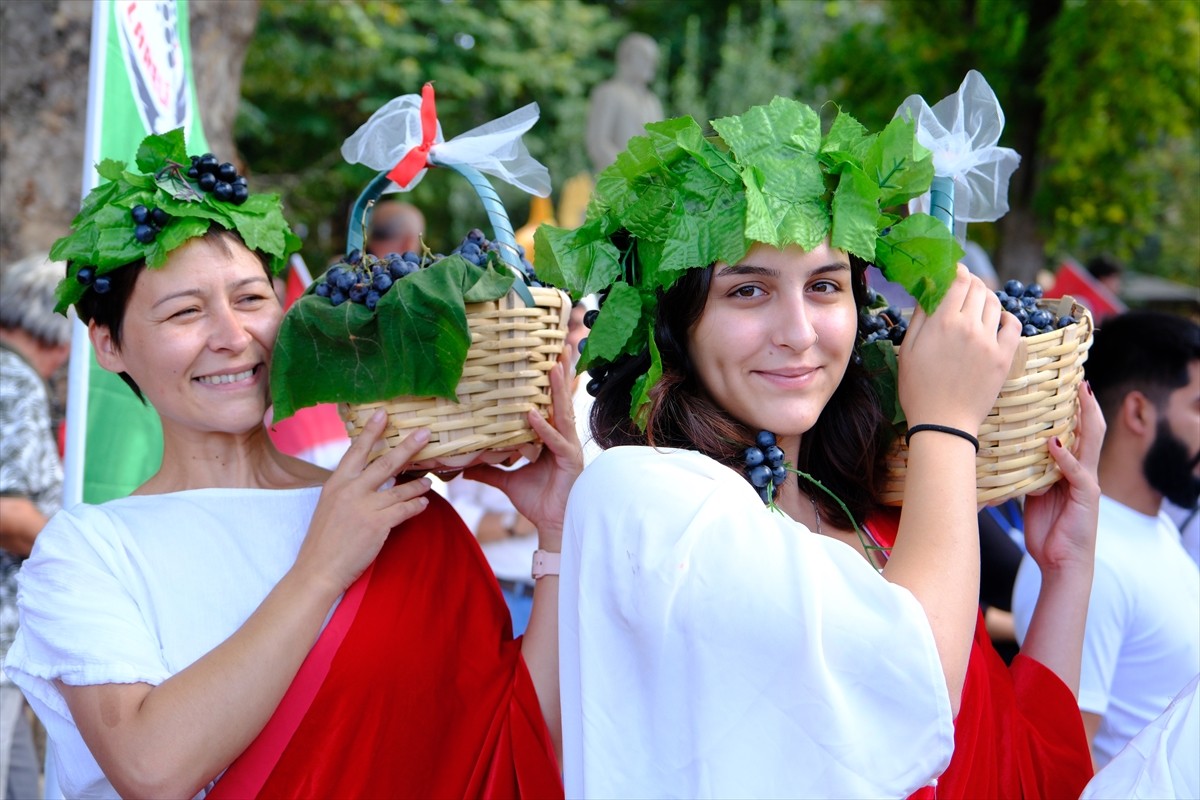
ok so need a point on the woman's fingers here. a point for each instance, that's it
(393, 461)
(355, 458)
(1091, 428)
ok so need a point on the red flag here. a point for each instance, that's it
(1076, 281)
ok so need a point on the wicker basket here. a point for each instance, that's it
(1038, 402)
(515, 341)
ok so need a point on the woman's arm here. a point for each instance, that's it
(1060, 534)
(172, 739)
(539, 492)
(952, 365)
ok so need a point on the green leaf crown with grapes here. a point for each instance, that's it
(676, 199)
(102, 236)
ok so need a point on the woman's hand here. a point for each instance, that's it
(1060, 523)
(359, 506)
(539, 489)
(953, 362)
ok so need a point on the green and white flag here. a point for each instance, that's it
(139, 82)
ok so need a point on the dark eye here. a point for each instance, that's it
(826, 287)
(749, 290)
(185, 312)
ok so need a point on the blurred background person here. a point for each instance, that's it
(34, 343)
(507, 538)
(1142, 639)
(396, 227)
(1108, 271)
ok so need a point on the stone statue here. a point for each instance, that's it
(620, 107)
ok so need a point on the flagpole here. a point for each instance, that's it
(79, 368)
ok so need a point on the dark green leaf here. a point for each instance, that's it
(899, 164)
(413, 345)
(911, 253)
(614, 325)
(157, 149)
(855, 212)
(879, 360)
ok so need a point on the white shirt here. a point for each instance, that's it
(711, 647)
(1142, 639)
(137, 589)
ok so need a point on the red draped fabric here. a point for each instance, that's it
(415, 688)
(1018, 732)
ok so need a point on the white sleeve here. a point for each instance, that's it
(78, 623)
(711, 647)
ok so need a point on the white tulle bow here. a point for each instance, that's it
(962, 131)
(495, 147)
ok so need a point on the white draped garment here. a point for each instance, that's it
(712, 647)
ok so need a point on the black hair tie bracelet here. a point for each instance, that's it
(942, 429)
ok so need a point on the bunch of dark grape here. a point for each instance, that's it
(100, 284)
(364, 278)
(221, 179)
(475, 247)
(1016, 298)
(1022, 302)
(147, 222)
(887, 324)
(598, 373)
(764, 465)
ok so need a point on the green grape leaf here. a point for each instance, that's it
(847, 141)
(910, 255)
(768, 132)
(855, 211)
(879, 360)
(413, 345)
(157, 149)
(899, 164)
(639, 408)
(582, 260)
(614, 326)
(110, 169)
(490, 283)
(175, 185)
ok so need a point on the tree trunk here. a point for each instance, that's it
(43, 79)
(1021, 251)
(44, 51)
(221, 34)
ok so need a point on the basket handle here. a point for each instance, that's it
(502, 232)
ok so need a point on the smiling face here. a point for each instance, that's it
(197, 337)
(776, 335)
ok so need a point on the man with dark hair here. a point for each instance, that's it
(1142, 642)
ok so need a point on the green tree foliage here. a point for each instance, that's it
(317, 70)
(1102, 97)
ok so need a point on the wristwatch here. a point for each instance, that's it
(545, 563)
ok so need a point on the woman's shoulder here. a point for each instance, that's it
(647, 475)
(628, 458)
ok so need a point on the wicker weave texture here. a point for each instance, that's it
(506, 374)
(1036, 403)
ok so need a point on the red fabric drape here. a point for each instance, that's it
(1018, 733)
(425, 696)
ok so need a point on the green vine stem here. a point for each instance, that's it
(867, 545)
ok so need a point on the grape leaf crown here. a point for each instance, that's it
(676, 199)
(102, 236)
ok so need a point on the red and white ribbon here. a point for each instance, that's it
(404, 138)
